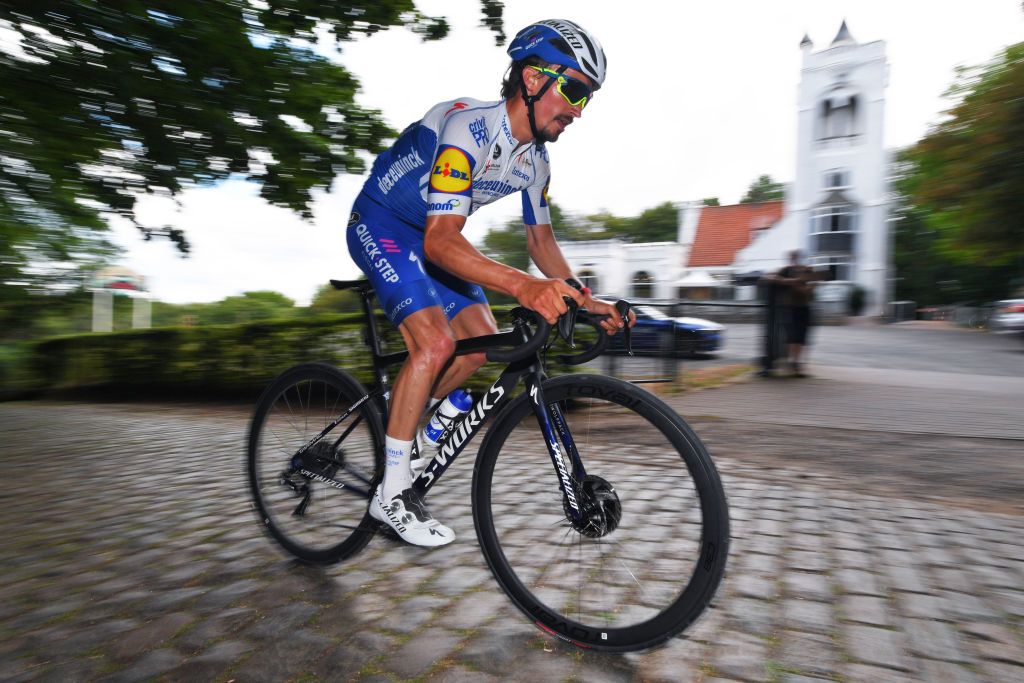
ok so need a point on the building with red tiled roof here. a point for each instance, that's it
(724, 230)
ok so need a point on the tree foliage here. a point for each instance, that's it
(967, 173)
(102, 102)
(764, 189)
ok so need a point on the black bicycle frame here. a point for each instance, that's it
(455, 437)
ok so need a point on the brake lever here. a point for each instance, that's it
(567, 323)
(623, 307)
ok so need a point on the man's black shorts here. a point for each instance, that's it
(798, 322)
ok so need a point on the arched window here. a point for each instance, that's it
(643, 285)
(589, 279)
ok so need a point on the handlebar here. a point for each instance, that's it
(526, 344)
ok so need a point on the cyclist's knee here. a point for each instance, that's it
(434, 350)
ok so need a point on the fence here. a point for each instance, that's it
(665, 360)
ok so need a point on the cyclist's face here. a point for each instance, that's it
(552, 112)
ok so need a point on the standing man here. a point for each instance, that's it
(797, 280)
(405, 233)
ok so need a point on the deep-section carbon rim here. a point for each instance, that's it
(315, 503)
(642, 582)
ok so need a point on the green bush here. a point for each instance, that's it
(212, 361)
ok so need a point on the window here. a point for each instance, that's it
(837, 179)
(839, 268)
(643, 285)
(838, 117)
(833, 234)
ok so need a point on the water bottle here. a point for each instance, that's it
(454, 405)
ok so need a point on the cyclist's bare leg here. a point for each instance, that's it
(430, 340)
(472, 321)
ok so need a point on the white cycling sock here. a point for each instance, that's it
(397, 475)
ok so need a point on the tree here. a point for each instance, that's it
(330, 300)
(967, 173)
(710, 201)
(102, 102)
(764, 189)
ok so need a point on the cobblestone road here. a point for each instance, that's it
(129, 552)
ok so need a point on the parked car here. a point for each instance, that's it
(687, 336)
(1008, 317)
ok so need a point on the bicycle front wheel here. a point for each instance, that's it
(652, 552)
(311, 493)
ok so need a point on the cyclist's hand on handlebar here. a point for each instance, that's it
(613, 323)
(546, 297)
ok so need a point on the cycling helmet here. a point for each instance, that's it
(562, 42)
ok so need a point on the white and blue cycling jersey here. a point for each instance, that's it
(457, 158)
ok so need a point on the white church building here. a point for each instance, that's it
(835, 211)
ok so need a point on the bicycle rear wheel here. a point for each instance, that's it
(314, 501)
(653, 553)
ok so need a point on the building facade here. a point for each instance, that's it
(837, 207)
(835, 210)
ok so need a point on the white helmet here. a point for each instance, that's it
(558, 41)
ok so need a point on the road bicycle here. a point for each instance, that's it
(597, 508)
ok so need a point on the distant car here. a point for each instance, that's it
(1008, 317)
(655, 333)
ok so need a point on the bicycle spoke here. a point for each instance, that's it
(336, 472)
(631, 553)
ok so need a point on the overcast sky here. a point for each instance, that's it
(699, 101)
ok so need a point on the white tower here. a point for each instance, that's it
(838, 200)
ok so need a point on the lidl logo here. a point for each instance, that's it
(451, 171)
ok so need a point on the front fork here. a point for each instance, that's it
(554, 428)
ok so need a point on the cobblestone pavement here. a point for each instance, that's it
(129, 552)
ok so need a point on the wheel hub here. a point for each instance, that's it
(599, 505)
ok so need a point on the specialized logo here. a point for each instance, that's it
(353, 219)
(318, 477)
(456, 107)
(451, 171)
(373, 257)
(472, 420)
(398, 169)
(497, 151)
(449, 205)
(567, 32)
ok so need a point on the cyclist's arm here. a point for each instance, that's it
(445, 245)
(544, 251)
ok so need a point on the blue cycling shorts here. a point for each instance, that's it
(390, 252)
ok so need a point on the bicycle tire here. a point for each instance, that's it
(292, 410)
(617, 607)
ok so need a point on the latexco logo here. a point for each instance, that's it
(401, 304)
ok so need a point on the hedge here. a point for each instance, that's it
(210, 361)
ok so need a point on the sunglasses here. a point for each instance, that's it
(574, 91)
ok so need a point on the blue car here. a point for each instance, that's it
(657, 333)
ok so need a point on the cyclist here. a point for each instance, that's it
(405, 233)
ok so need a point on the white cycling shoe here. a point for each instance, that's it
(409, 517)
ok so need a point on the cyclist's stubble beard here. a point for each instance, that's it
(552, 131)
